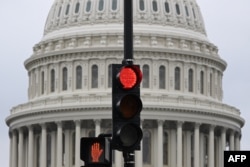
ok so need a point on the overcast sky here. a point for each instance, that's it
(22, 22)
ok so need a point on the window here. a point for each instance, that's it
(190, 80)
(165, 149)
(193, 13)
(167, 10)
(211, 84)
(177, 78)
(77, 8)
(110, 76)
(177, 7)
(155, 7)
(59, 12)
(52, 80)
(162, 78)
(141, 5)
(67, 10)
(145, 80)
(78, 77)
(94, 74)
(146, 143)
(202, 82)
(65, 79)
(101, 5)
(186, 9)
(114, 5)
(88, 6)
(42, 83)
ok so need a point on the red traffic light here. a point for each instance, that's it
(130, 76)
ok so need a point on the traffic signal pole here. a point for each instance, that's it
(129, 157)
(128, 33)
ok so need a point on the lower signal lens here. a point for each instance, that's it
(130, 135)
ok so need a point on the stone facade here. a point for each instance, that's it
(184, 121)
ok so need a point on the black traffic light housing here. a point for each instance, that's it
(126, 106)
(96, 151)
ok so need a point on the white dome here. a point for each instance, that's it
(81, 16)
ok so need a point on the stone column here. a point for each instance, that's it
(160, 143)
(14, 149)
(77, 142)
(196, 145)
(211, 146)
(118, 158)
(97, 127)
(11, 149)
(67, 148)
(202, 160)
(43, 159)
(53, 149)
(187, 152)
(237, 142)
(59, 145)
(20, 148)
(179, 144)
(231, 141)
(173, 147)
(30, 147)
(223, 145)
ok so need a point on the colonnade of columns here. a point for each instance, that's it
(186, 148)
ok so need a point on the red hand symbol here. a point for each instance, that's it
(96, 152)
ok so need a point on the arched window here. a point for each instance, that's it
(167, 9)
(193, 12)
(146, 143)
(77, 8)
(52, 80)
(78, 77)
(186, 9)
(165, 149)
(110, 76)
(162, 77)
(101, 5)
(59, 12)
(145, 80)
(202, 82)
(94, 75)
(155, 7)
(190, 80)
(114, 5)
(88, 6)
(211, 84)
(142, 5)
(42, 82)
(177, 78)
(65, 79)
(67, 10)
(177, 7)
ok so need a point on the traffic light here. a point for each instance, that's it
(96, 151)
(126, 106)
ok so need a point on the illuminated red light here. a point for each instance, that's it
(130, 76)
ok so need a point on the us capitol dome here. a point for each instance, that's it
(184, 120)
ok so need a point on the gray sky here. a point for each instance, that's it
(22, 22)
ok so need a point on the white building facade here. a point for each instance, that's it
(184, 121)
